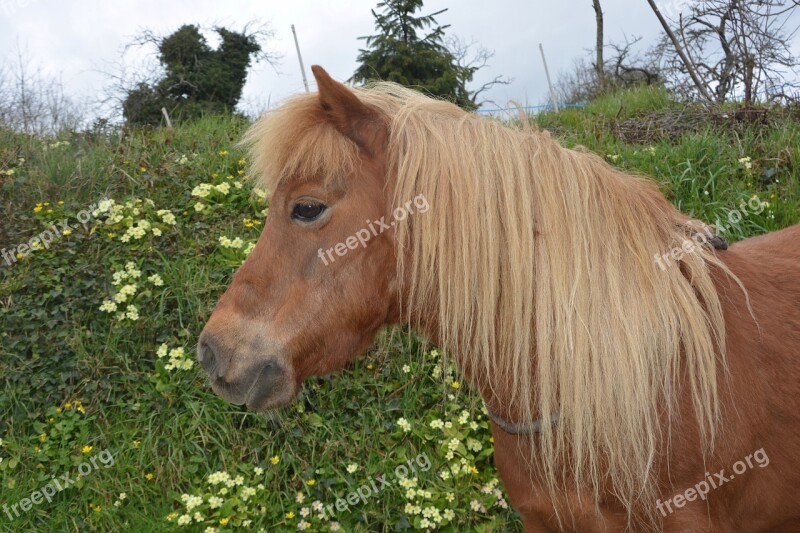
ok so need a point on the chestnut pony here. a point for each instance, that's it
(626, 393)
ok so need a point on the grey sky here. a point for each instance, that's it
(72, 39)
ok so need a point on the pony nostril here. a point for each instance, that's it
(206, 356)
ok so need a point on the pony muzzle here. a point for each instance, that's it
(259, 378)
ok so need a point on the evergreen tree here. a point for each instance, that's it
(409, 49)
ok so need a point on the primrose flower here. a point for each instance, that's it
(202, 190)
(108, 306)
(217, 478)
(167, 216)
(403, 424)
(351, 468)
(132, 312)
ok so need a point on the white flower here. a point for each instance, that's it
(224, 188)
(161, 352)
(108, 306)
(156, 280)
(351, 468)
(406, 369)
(192, 501)
(215, 502)
(167, 216)
(403, 424)
(184, 519)
(199, 206)
(437, 424)
(132, 313)
(202, 190)
(217, 478)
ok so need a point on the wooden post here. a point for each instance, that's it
(166, 117)
(549, 83)
(300, 58)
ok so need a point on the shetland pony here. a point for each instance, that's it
(624, 395)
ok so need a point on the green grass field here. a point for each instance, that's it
(146, 229)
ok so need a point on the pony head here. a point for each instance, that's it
(320, 282)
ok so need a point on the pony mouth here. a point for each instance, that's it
(270, 387)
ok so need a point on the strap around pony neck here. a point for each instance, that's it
(516, 428)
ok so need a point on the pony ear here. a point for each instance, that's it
(352, 117)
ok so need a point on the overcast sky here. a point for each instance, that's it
(73, 39)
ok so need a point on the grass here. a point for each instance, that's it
(78, 381)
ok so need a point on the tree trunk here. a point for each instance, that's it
(599, 61)
(686, 62)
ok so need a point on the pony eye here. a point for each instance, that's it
(308, 211)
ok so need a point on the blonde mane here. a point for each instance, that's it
(539, 263)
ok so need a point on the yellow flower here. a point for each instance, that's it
(491, 439)
(37, 209)
(49, 211)
(242, 161)
(37, 449)
(68, 405)
(81, 409)
(58, 409)
(370, 366)
(310, 482)
(110, 235)
(240, 172)
(229, 177)
(97, 508)
(61, 202)
(87, 449)
(473, 470)
(51, 419)
(223, 152)
(224, 521)
(142, 169)
(148, 476)
(455, 385)
(46, 204)
(66, 232)
(275, 460)
(290, 515)
(136, 443)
